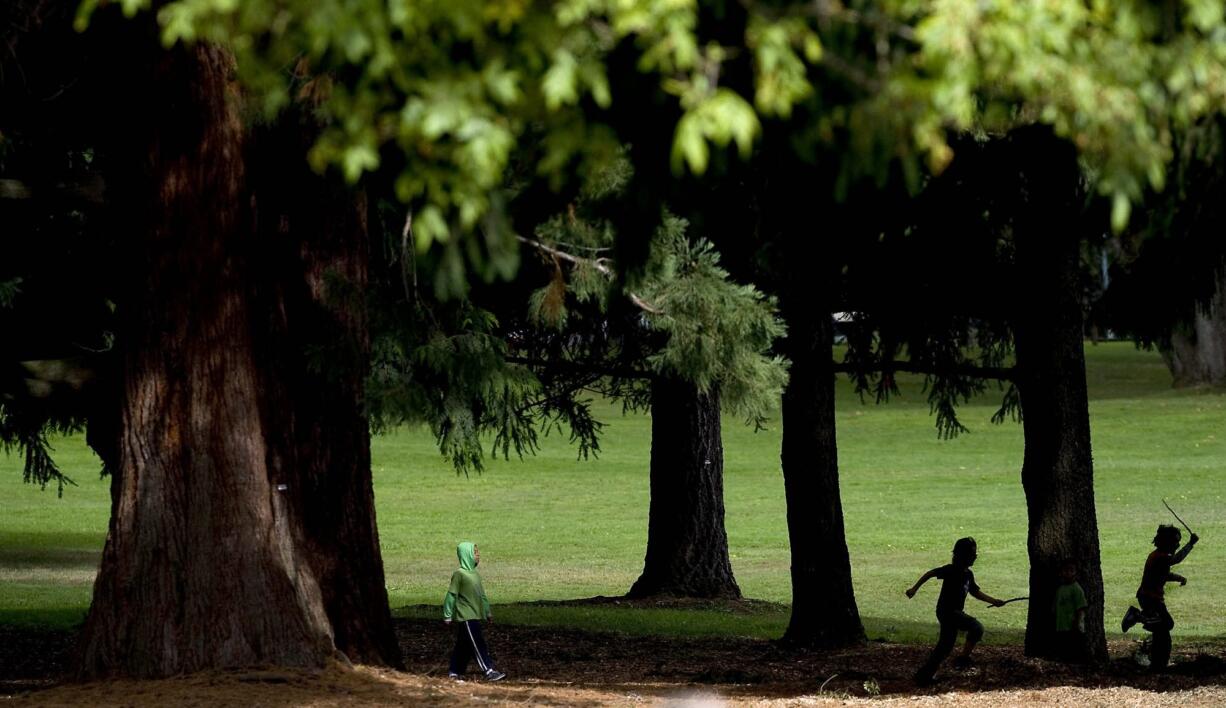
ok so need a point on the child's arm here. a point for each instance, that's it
(918, 583)
(449, 599)
(981, 595)
(1183, 552)
(448, 606)
(1176, 578)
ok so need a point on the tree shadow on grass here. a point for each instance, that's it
(564, 665)
(689, 617)
(277, 687)
(746, 667)
(72, 559)
(68, 551)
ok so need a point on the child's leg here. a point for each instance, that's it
(1064, 645)
(1160, 646)
(945, 645)
(480, 651)
(462, 651)
(1071, 646)
(974, 633)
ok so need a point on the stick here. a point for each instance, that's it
(1168, 508)
(1013, 599)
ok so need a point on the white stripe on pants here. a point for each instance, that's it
(476, 650)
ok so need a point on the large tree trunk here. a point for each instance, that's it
(687, 547)
(201, 567)
(824, 612)
(1197, 355)
(1057, 468)
(315, 230)
(242, 529)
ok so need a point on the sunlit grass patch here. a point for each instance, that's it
(556, 528)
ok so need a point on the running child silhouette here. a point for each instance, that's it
(958, 582)
(466, 603)
(1152, 594)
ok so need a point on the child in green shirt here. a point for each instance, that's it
(466, 603)
(1070, 610)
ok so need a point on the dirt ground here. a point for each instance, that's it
(551, 666)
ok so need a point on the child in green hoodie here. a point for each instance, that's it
(466, 603)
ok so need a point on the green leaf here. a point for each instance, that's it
(689, 145)
(1121, 209)
(561, 82)
(358, 159)
(429, 227)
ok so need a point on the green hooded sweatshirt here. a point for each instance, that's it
(465, 598)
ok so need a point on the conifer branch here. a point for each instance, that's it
(582, 384)
(581, 367)
(981, 372)
(600, 264)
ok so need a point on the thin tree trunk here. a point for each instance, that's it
(824, 612)
(687, 546)
(1057, 468)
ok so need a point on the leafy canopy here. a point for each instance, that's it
(448, 89)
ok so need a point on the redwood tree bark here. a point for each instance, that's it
(316, 250)
(687, 546)
(1057, 468)
(242, 529)
(201, 567)
(824, 612)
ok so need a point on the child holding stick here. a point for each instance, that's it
(959, 581)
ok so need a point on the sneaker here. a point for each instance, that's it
(1131, 617)
(963, 662)
(494, 675)
(454, 676)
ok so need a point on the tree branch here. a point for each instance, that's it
(833, 10)
(568, 390)
(981, 372)
(600, 264)
(91, 189)
(581, 367)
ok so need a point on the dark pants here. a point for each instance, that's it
(951, 624)
(469, 645)
(1160, 626)
(1071, 646)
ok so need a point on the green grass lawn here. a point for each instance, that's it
(551, 527)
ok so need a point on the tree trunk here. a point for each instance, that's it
(687, 547)
(1057, 468)
(1197, 355)
(824, 612)
(201, 567)
(242, 529)
(317, 335)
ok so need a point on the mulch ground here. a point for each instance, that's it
(549, 665)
